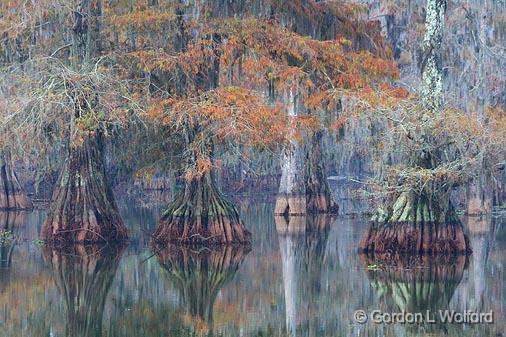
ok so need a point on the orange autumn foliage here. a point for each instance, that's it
(227, 116)
(236, 71)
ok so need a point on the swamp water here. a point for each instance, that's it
(289, 283)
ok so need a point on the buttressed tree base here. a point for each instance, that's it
(201, 214)
(415, 225)
(83, 208)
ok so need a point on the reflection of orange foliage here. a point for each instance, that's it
(24, 295)
(201, 327)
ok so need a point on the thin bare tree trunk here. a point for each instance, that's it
(12, 196)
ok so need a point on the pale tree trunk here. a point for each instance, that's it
(422, 222)
(12, 196)
(303, 188)
(291, 199)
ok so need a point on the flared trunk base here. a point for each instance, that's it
(83, 208)
(201, 215)
(415, 238)
(414, 226)
(86, 231)
(223, 229)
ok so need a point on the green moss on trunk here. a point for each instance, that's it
(201, 214)
(416, 224)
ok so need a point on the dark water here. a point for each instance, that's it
(289, 283)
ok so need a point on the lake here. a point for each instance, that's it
(290, 282)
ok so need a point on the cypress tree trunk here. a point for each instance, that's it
(12, 196)
(416, 224)
(422, 221)
(303, 188)
(319, 198)
(291, 198)
(201, 214)
(83, 208)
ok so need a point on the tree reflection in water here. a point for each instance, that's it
(302, 243)
(415, 284)
(83, 276)
(9, 221)
(198, 273)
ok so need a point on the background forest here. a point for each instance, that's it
(213, 96)
(212, 167)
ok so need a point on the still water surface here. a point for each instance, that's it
(289, 283)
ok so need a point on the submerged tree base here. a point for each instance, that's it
(201, 215)
(415, 226)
